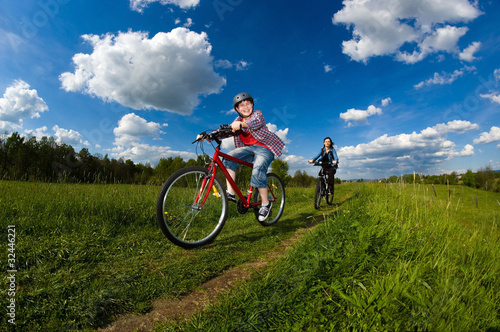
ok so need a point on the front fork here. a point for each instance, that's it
(208, 184)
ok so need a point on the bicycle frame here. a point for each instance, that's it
(217, 162)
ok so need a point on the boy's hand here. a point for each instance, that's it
(236, 125)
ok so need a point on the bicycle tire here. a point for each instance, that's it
(317, 194)
(329, 196)
(181, 219)
(276, 191)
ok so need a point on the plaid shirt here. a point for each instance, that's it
(257, 127)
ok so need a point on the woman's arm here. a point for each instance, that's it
(312, 160)
(334, 156)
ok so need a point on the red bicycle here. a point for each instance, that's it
(192, 205)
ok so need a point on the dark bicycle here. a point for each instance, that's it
(322, 188)
(192, 205)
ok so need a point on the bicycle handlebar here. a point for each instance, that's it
(318, 163)
(321, 163)
(224, 131)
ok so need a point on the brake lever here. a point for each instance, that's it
(203, 135)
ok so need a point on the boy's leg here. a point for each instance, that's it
(265, 208)
(263, 195)
(242, 153)
(228, 185)
(263, 159)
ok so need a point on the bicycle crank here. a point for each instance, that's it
(242, 209)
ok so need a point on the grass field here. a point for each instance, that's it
(384, 258)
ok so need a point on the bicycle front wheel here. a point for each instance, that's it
(276, 195)
(190, 212)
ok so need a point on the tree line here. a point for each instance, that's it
(485, 178)
(28, 159)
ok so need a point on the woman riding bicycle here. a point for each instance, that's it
(253, 140)
(329, 161)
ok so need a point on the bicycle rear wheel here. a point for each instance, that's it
(183, 217)
(329, 196)
(317, 194)
(276, 195)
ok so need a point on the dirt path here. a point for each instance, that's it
(164, 310)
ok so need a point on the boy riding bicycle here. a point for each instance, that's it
(253, 139)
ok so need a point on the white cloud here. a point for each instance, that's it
(496, 74)
(383, 27)
(38, 132)
(10, 40)
(226, 64)
(389, 155)
(143, 153)
(167, 72)
(231, 111)
(139, 5)
(468, 150)
(189, 22)
(296, 163)
(354, 116)
(128, 145)
(386, 102)
(328, 68)
(18, 102)
(228, 144)
(444, 78)
(489, 137)
(456, 126)
(70, 137)
(494, 97)
(132, 127)
(281, 133)
(468, 53)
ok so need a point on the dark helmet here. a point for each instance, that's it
(240, 97)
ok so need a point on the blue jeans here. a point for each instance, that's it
(263, 159)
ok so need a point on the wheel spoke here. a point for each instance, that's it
(190, 215)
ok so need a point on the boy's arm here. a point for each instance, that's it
(255, 121)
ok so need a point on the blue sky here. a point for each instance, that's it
(397, 85)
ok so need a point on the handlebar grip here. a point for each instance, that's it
(203, 135)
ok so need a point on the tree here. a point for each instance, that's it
(280, 168)
(301, 179)
(469, 179)
(485, 178)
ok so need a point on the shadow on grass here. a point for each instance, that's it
(285, 227)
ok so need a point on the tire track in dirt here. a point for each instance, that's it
(186, 306)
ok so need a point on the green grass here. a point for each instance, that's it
(392, 258)
(87, 253)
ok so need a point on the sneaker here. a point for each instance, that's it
(265, 211)
(230, 197)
